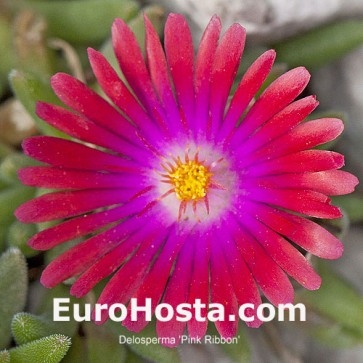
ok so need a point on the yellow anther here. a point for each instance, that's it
(190, 180)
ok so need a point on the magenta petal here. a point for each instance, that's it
(69, 154)
(244, 285)
(222, 292)
(285, 255)
(176, 293)
(180, 55)
(278, 95)
(199, 286)
(305, 233)
(154, 283)
(203, 70)
(82, 256)
(246, 90)
(226, 62)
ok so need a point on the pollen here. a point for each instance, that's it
(190, 179)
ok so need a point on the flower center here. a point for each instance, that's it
(190, 180)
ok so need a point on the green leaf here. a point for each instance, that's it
(155, 352)
(4, 356)
(10, 165)
(19, 235)
(352, 204)
(83, 22)
(50, 349)
(29, 89)
(102, 343)
(337, 302)
(78, 351)
(27, 327)
(238, 353)
(13, 290)
(321, 45)
(10, 199)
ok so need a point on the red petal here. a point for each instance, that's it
(203, 70)
(301, 161)
(180, 55)
(285, 255)
(177, 293)
(120, 95)
(307, 234)
(226, 62)
(222, 292)
(244, 285)
(278, 95)
(269, 276)
(83, 225)
(84, 100)
(246, 90)
(85, 130)
(302, 201)
(85, 254)
(199, 286)
(330, 182)
(154, 283)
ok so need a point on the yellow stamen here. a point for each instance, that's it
(190, 179)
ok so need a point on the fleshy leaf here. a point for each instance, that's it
(27, 327)
(18, 236)
(338, 303)
(352, 204)
(13, 290)
(4, 356)
(102, 343)
(321, 45)
(50, 349)
(29, 89)
(63, 17)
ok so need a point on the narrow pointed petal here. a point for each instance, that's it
(83, 225)
(304, 232)
(251, 82)
(287, 87)
(82, 256)
(69, 154)
(180, 55)
(284, 254)
(203, 69)
(84, 100)
(226, 62)
(60, 205)
(176, 293)
(222, 292)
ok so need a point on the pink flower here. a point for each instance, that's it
(177, 192)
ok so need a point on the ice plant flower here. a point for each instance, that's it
(178, 192)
